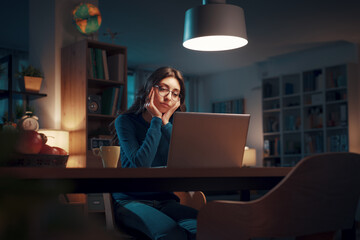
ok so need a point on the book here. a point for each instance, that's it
(99, 63)
(93, 63)
(116, 67)
(115, 102)
(107, 100)
(266, 148)
(119, 102)
(105, 65)
(89, 63)
(343, 114)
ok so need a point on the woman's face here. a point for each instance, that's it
(164, 103)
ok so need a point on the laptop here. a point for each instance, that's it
(207, 140)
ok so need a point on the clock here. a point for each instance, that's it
(29, 122)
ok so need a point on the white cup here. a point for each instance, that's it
(109, 154)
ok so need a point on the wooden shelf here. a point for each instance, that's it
(22, 93)
(100, 116)
(102, 83)
(77, 84)
(13, 95)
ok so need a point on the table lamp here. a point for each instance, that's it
(56, 138)
(249, 159)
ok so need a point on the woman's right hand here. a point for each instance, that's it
(150, 106)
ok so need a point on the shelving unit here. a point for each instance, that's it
(11, 95)
(230, 106)
(306, 113)
(76, 86)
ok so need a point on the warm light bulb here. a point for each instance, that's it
(249, 158)
(215, 43)
(56, 138)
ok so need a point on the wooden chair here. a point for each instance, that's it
(316, 199)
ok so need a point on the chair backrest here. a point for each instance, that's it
(319, 195)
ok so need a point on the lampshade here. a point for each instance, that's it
(249, 158)
(57, 138)
(214, 26)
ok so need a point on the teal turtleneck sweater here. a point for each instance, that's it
(143, 144)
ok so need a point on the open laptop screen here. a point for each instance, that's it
(207, 140)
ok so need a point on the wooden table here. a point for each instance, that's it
(98, 180)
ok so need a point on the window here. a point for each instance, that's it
(130, 88)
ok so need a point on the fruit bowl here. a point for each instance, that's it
(38, 160)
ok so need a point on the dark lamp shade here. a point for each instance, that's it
(214, 27)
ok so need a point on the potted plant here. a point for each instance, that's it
(32, 78)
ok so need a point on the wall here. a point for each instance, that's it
(51, 28)
(327, 55)
(242, 83)
(246, 82)
(14, 17)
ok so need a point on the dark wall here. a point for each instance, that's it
(14, 19)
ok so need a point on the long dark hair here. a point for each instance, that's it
(141, 96)
(154, 79)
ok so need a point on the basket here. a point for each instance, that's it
(38, 160)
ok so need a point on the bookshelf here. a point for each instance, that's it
(13, 96)
(231, 106)
(307, 113)
(92, 73)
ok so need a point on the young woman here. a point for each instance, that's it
(144, 133)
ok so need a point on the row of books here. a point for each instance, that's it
(313, 80)
(338, 117)
(314, 118)
(111, 100)
(292, 122)
(268, 90)
(314, 144)
(271, 124)
(272, 162)
(232, 106)
(105, 66)
(336, 95)
(292, 146)
(272, 147)
(338, 143)
(336, 79)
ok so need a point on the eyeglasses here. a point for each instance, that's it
(175, 96)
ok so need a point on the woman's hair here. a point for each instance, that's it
(154, 79)
(141, 96)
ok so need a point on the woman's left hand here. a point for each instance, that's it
(166, 116)
(150, 106)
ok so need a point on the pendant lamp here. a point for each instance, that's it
(214, 26)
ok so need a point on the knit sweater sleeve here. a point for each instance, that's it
(138, 154)
(166, 130)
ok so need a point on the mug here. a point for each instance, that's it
(109, 154)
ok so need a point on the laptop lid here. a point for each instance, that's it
(207, 140)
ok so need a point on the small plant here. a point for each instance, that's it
(20, 110)
(29, 71)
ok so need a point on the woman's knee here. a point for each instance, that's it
(155, 224)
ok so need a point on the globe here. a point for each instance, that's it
(87, 18)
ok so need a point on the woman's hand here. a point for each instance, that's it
(150, 106)
(166, 116)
